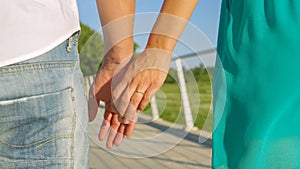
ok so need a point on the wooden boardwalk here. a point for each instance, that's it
(154, 145)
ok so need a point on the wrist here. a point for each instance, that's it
(119, 52)
(161, 42)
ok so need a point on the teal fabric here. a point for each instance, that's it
(259, 47)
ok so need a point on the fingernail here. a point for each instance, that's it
(125, 120)
(103, 130)
(118, 139)
(109, 146)
(104, 123)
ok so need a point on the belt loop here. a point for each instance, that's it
(69, 46)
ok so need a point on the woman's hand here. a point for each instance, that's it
(136, 81)
(144, 85)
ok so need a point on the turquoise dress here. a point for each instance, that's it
(257, 110)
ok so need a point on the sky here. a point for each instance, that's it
(200, 33)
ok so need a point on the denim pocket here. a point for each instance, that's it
(37, 128)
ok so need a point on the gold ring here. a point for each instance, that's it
(140, 92)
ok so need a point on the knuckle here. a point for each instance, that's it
(134, 100)
(143, 105)
(146, 98)
(156, 83)
(145, 102)
(134, 80)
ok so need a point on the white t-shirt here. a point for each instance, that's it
(29, 28)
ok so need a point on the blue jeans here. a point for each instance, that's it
(43, 111)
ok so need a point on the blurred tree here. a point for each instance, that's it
(90, 47)
(135, 47)
(172, 76)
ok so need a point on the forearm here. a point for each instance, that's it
(118, 40)
(170, 24)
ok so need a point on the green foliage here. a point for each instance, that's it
(172, 76)
(135, 47)
(198, 72)
(170, 105)
(91, 48)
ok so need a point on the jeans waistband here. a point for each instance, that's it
(65, 53)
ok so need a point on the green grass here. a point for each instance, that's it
(169, 102)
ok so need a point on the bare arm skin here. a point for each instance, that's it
(171, 22)
(168, 28)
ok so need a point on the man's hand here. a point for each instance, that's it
(114, 129)
(101, 90)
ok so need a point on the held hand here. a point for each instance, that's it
(101, 90)
(110, 123)
(143, 86)
(114, 130)
(101, 87)
(137, 80)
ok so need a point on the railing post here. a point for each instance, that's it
(87, 84)
(155, 114)
(91, 79)
(185, 99)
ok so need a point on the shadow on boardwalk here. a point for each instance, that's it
(154, 145)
